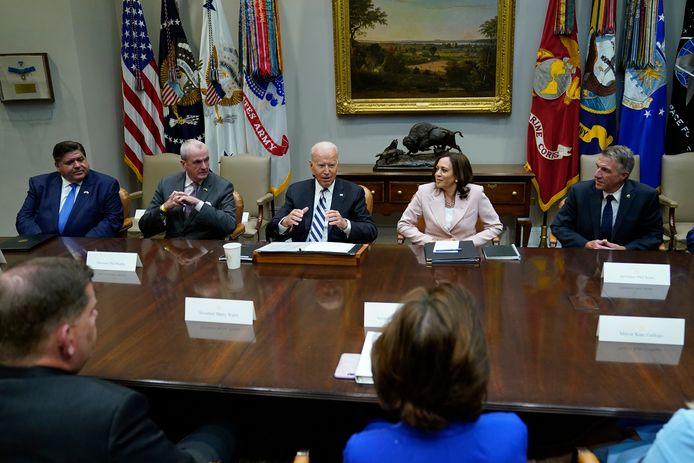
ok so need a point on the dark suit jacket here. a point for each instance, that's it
(49, 415)
(638, 225)
(216, 219)
(97, 212)
(348, 199)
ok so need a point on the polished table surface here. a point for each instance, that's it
(542, 349)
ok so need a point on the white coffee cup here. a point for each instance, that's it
(232, 251)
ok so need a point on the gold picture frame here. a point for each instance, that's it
(25, 77)
(354, 100)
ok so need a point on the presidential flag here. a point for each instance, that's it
(680, 122)
(142, 107)
(553, 122)
(264, 99)
(180, 82)
(644, 104)
(220, 86)
(598, 118)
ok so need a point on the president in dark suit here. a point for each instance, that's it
(48, 412)
(74, 201)
(194, 204)
(611, 211)
(325, 208)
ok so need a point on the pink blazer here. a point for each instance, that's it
(429, 202)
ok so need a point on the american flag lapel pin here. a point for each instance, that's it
(85, 192)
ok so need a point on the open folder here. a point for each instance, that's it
(322, 247)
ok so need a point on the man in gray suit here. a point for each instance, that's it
(194, 204)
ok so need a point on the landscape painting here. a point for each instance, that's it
(423, 55)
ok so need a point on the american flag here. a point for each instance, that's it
(142, 105)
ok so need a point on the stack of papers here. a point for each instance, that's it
(363, 373)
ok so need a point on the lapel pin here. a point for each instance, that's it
(85, 192)
(204, 189)
(341, 194)
(628, 195)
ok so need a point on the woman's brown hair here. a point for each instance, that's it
(431, 364)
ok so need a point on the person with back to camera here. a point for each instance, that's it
(451, 206)
(431, 368)
(49, 413)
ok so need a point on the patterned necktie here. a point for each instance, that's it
(319, 224)
(188, 209)
(606, 223)
(67, 208)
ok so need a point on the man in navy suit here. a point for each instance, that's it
(325, 208)
(88, 200)
(634, 220)
(48, 412)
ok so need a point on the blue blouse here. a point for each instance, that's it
(493, 437)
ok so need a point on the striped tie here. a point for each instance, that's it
(318, 226)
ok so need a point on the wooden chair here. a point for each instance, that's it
(369, 198)
(240, 227)
(127, 220)
(250, 175)
(677, 191)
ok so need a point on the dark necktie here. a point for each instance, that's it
(67, 208)
(606, 223)
(318, 225)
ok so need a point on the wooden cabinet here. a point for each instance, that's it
(507, 186)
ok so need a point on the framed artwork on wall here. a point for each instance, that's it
(452, 56)
(25, 77)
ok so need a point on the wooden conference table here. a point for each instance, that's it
(543, 350)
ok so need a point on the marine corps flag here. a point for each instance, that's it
(598, 126)
(220, 86)
(553, 122)
(179, 79)
(680, 122)
(263, 88)
(644, 104)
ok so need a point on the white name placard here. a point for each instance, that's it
(139, 213)
(200, 309)
(644, 330)
(119, 261)
(631, 352)
(635, 281)
(244, 217)
(377, 314)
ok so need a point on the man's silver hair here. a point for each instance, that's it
(623, 155)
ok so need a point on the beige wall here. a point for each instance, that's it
(82, 39)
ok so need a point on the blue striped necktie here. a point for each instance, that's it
(319, 224)
(67, 208)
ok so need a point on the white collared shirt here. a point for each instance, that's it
(65, 190)
(328, 203)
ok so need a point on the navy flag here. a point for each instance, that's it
(680, 122)
(178, 77)
(598, 120)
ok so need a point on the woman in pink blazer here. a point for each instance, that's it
(451, 206)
